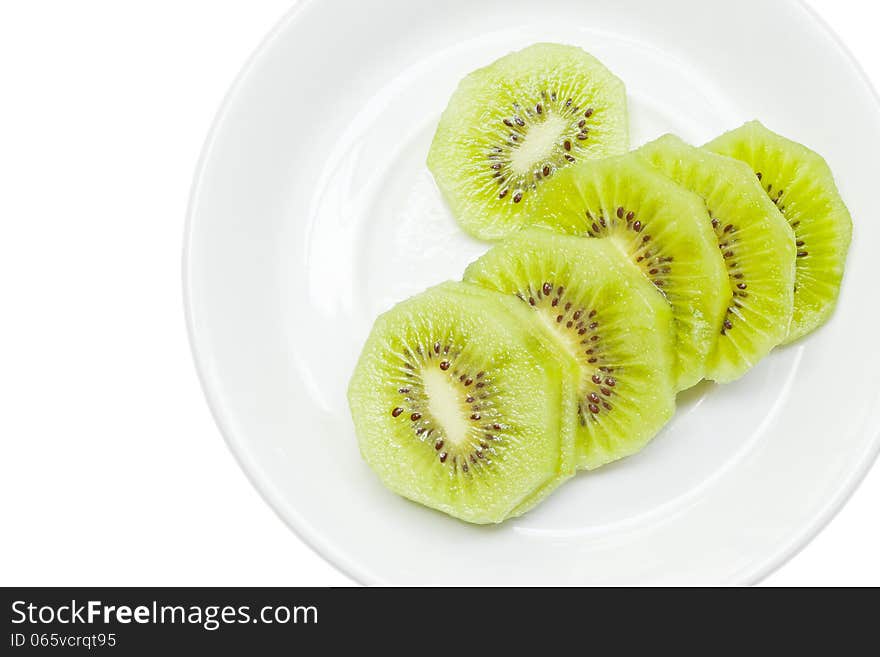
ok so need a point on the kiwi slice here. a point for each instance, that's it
(609, 320)
(514, 124)
(459, 406)
(757, 246)
(660, 227)
(800, 183)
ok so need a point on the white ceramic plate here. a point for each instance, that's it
(312, 212)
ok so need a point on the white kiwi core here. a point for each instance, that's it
(538, 145)
(445, 405)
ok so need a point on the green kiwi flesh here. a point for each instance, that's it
(457, 405)
(610, 321)
(800, 183)
(662, 229)
(515, 123)
(757, 246)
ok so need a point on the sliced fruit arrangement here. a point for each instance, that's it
(512, 125)
(607, 319)
(757, 246)
(619, 280)
(800, 183)
(663, 229)
(459, 406)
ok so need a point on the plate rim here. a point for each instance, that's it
(291, 518)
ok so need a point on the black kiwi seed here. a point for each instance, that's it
(728, 233)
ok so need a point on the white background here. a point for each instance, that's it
(112, 471)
